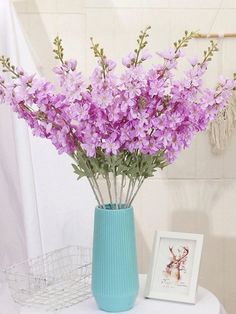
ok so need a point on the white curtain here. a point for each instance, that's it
(18, 206)
(42, 205)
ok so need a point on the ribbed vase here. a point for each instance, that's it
(114, 268)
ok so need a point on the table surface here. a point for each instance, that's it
(206, 303)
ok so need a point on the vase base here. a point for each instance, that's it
(115, 304)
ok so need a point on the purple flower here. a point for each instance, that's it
(145, 55)
(169, 54)
(193, 61)
(110, 64)
(129, 59)
(141, 110)
(111, 145)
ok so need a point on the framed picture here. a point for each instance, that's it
(174, 267)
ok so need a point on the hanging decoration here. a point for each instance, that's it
(222, 127)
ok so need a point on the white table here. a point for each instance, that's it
(207, 303)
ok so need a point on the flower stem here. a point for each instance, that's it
(8, 67)
(94, 191)
(109, 187)
(131, 192)
(139, 186)
(128, 190)
(115, 188)
(86, 165)
(98, 189)
(209, 52)
(183, 42)
(99, 53)
(58, 49)
(90, 179)
(121, 189)
(141, 44)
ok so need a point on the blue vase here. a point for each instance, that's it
(114, 266)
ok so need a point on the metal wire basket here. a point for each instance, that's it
(53, 281)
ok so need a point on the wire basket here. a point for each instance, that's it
(53, 281)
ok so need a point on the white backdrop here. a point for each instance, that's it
(18, 205)
(196, 194)
(42, 206)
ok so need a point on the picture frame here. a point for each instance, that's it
(174, 267)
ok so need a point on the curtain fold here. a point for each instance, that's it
(20, 235)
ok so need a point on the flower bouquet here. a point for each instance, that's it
(119, 128)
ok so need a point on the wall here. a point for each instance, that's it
(197, 193)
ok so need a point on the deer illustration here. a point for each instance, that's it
(177, 262)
